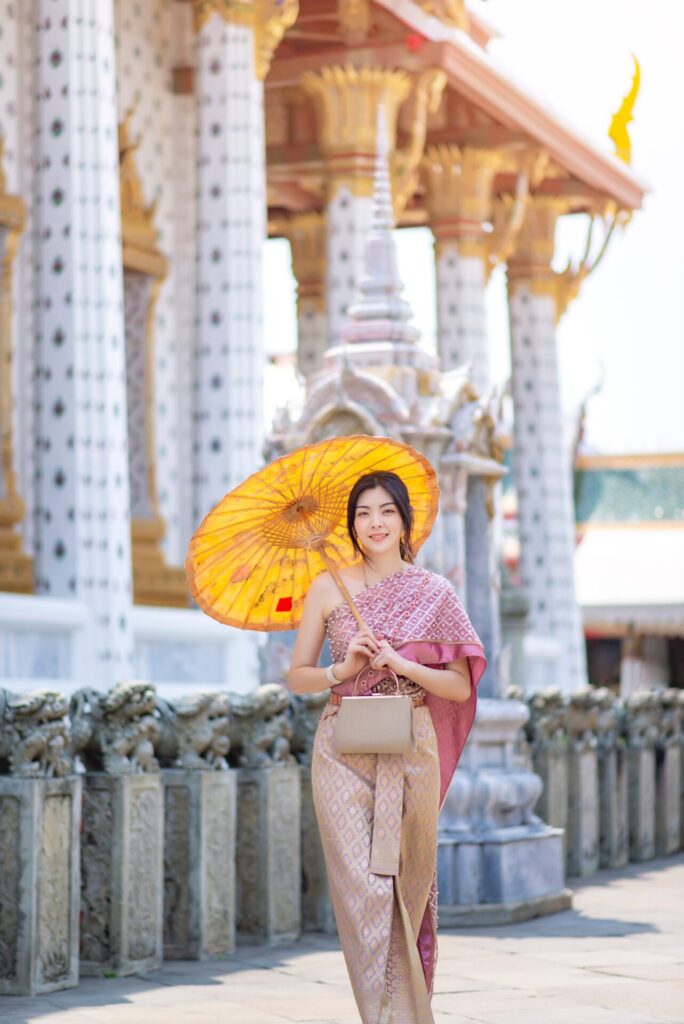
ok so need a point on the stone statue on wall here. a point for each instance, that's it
(194, 732)
(306, 709)
(115, 732)
(261, 727)
(34, 735)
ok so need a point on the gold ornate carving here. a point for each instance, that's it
(139, 234)
(307, 236)
(235, 12)
(270, 20)
(16, 568)
(530, 266)
(354, 19)
(459, 184)
(347, 101)
(154, 582)
(618, 127)
(427, 96)
(451, 12)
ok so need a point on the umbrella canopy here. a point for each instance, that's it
(251, 561)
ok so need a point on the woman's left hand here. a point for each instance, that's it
(387, 657)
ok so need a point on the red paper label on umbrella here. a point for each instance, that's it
(284, 604)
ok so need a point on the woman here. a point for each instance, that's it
(377, 814)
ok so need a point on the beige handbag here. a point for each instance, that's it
(377, 724)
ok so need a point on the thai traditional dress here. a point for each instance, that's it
(378, 813)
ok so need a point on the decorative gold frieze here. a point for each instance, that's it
(16, 567)
(451, 12)
(154, 582)
(347, 101)
(270, 20)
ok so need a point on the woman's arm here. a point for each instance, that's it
(304, 675)
(451, 682)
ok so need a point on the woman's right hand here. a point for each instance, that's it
(361, 649)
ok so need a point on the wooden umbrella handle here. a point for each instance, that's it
(332, 569)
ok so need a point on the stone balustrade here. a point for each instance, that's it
(612, 773)
(134, 829)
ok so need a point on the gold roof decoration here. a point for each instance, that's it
(451, 12)
(139, 234)
(618, 127)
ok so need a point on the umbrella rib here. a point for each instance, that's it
(257, 550)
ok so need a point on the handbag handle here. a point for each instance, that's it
(365, 668)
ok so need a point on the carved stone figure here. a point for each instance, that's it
(34, 734)
(194, 731)
(306, 709)
(261, 727)
(115, 732)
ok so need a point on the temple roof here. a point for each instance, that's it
(481, 105)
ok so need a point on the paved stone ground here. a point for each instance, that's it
(616, 958)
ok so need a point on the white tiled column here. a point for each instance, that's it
(231, 206)
(458, 184)
(82, 513)
(542, 461)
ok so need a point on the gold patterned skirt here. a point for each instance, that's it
(377, 816)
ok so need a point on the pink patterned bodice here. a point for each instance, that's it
(384, 617)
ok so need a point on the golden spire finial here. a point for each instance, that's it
(618, 127)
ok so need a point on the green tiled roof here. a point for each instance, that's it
(629, 495)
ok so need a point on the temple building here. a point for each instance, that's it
(148, 150)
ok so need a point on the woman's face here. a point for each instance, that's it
(377, 522)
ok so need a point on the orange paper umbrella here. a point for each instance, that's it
(252, 560)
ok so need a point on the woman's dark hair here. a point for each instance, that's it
(398, 491)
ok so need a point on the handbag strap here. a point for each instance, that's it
(390, 671)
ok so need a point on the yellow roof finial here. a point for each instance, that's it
(618, 127)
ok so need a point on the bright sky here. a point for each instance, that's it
(626, 329)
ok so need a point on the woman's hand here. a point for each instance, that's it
(361, 649)
(387, 657)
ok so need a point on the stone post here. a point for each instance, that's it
(542, 460)
(497, 862)
(547, 732)
(668, 773)
(307, 236)
(583, 802)
(642, 732)
(482, 572)
(40, 816)
(612, 781)
(317, 912)
(268, 856)
(200, 810)
(234, 46)
(83, 546)
(122, 843)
